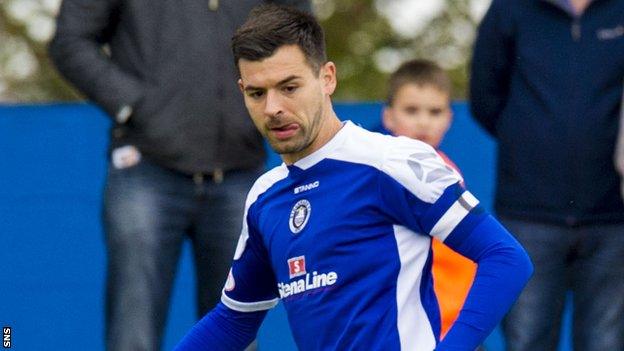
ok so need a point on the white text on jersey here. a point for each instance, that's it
(307, 187)
(310, 282)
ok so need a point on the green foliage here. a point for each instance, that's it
(357, 34)
(43, 83)
(360, 39)
(354, 32)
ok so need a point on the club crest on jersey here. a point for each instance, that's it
(296, 266)
(299, 216)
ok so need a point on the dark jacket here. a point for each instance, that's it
(171, 61)
(547, 85)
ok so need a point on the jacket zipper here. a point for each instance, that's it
(576, 30)
(213, 5)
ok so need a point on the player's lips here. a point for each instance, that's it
(284, 132)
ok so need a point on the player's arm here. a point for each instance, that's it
(250, 290)
(223, 329)
(423, 194)
(503, 269)
(491, 64)
(83, 27)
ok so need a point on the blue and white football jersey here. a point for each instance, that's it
(343, 238)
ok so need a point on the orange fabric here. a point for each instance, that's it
(453, 275)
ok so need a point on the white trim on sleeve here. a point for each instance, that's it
(451, 218)
(248, 306)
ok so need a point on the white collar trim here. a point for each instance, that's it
(326, 149)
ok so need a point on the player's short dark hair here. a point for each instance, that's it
(270, 27)
(420, 72)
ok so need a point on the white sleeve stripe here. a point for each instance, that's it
(261, 185)
(248, 306)
(468, 200)
(454, 215)
(242, 239)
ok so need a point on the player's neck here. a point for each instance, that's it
(330, 125)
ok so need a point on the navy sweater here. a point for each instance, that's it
(547, 85)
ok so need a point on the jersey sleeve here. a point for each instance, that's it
(503, 269)
(222, 329)
(420, 191)
(249, 291)
(251, 285)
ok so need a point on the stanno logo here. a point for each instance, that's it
(306, 187)
(309, 282)
(299, 216)
(296, 266)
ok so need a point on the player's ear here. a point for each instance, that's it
(240, 85)
(328, 77)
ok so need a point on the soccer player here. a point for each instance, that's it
(341, 231)
(419, 107)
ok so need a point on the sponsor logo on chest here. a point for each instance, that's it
(296, 266)
(308, 282)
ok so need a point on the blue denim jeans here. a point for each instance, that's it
(586, 260)
(148, 212)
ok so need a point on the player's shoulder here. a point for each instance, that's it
(411, 163)
(377, 149)
(418, 167)
(265, 182)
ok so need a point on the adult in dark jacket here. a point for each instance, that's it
(546, 84)
(183, 149)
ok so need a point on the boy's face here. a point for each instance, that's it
(420, 112)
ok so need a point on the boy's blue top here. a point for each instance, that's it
(547, 84)
(343, 238)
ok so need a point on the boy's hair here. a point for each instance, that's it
(270, 27)
(420, 72)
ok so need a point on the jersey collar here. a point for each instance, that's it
(325, 150)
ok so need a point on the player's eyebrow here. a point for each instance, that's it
(281, 82)
(287, 79)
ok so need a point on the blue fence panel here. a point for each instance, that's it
(52, 168)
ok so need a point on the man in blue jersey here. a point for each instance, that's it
(341, 231)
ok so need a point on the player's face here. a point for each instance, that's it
(420, 112)
(287, 100)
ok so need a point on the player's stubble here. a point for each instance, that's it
(304, 137)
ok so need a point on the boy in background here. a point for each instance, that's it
(419, 96)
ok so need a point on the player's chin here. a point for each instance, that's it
(285, 147)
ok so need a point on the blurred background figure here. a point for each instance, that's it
(619, 152)
(183, 151)
(547, 84)
(419, 107)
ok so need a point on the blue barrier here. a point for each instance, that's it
(52, 166)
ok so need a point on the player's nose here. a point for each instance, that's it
(273, 104)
